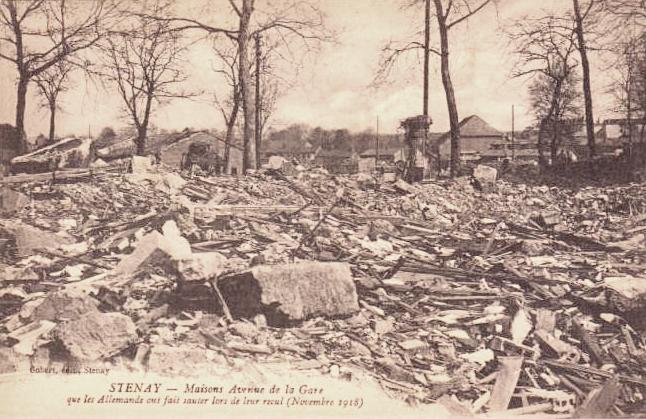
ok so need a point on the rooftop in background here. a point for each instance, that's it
(472, 126)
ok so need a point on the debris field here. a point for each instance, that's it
(480, 294)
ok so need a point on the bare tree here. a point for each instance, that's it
(51, 83)
(394, 51)
(289, 21)
(37, 34)
(269, 94)
(629, 11)
(545, 48)
(142, 60)
(269, 89)
(230, 106)
(630, 86)
(555, 102)
(584, 19)
(448, 15)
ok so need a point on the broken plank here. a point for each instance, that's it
(591, 344)
(600, 400)
(590, 370)
(506, 381)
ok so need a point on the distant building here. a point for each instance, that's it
(368, 158)
(172, 153)
(125, 146)
(617, 132)
(338, 161)
(580, 146)
(478, 141)
(290, 150)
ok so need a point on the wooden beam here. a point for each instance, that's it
(600, 400)
(503, 389)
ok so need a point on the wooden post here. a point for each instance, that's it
(377, 145)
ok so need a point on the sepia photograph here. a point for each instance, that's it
(323, 208)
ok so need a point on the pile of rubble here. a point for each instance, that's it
(482, 296)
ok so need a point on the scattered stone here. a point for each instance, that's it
(66, 304)
(157, 250)
(141, 164)
(11, 201)
(383, 326)
(97, 335)
(28, 335)
(11, 299)
(28, 239)
(413, 345)
(243, 329)
(627, 295)
(276, 162)
(533, 247)
(291, 292)
(201, 266)
(486, 176)
(405, 187)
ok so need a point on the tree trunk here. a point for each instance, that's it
(258, 102)
(248, 158)
(52, 123)
(587, 92)
(553, 115)
(427, 36)
(21, 103)
(141, 141)
(541, 145)
(448, 89)
(142, 130)
(555, 140)
(231, 123)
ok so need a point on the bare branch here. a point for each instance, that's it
(235, 7)
(470, 13)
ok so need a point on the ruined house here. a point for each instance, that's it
(338, 161)
(369, 158)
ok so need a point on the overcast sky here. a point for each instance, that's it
(332, 90)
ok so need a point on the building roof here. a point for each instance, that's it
(472, 126)
(624, 121)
